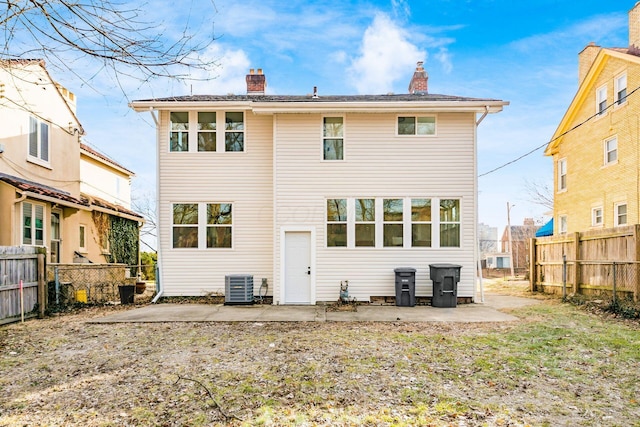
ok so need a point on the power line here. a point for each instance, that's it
(561, 135)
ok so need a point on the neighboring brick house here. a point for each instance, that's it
(306, 192)
(595, 148)
(51, 193)
(521, 236)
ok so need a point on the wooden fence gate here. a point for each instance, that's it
(22, 282)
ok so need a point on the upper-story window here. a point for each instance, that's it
(38, 140)
(610, 151)
(179, 138)
(416, 125)
(333, 138)
(207, 131)
(601, 100)
(620, 84)
(620, 214)
(234, 132)
(562, 174)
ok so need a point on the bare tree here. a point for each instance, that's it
(111, 32)
(539, 192)
(145, 205)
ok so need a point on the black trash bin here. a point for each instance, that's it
(126, 293)
(445, 278)
(405, 286)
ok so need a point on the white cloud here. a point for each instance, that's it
(229, 77)
(444, 57)
(386, 56)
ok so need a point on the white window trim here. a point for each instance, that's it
(38, 158)
(606, 152)
(220, 132)
(416, 135)
(594, 222)
(616, 214)
(33, 222)
(563, 224)
(562, 162)
(599, 100)
(202, 225)
(344, 138)
(616, 82)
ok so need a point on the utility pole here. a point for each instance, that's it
(509, 237)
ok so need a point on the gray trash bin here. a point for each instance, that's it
(405, 286)
(445, 278)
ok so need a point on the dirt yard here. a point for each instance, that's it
(557, 366)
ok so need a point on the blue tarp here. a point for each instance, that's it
(545, 230)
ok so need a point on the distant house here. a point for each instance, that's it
(595, 147)
(305, 192)
(48, 197)
(521, 236)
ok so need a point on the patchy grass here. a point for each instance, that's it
(558, 365)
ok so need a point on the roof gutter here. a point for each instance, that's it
(53, 200)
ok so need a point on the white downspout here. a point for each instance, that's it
(159, 287)
(477, 245)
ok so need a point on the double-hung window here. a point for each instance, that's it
(32, 224)
(393, 224)
(416, 125)
(185, 225)
(620, 84)
(596, 217)
(234, 131)
(337, 222)
(450, 223)
(365, 222)
(207, 131)
(202, 225)
(421, 222)
(333, 138)
(179, 138)
(562, 226)
(562, 174)
(219, 225)
(601, 100)
(38, 140)
(610, 151)
(621, 214)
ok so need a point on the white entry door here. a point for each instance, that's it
(297, 267)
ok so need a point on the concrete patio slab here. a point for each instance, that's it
(489, 311)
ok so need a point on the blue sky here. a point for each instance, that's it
(524, 52)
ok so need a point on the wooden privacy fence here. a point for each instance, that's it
(27, 265)
(590, 263)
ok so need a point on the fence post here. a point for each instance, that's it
(564, 276)
(614, 283)
(576, 265)
(42, 286)
(533, 274)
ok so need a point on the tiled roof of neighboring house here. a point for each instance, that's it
(96, 201)
(90, 150)
(41, 189)
(310, 98)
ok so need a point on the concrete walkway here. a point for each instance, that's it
(489, 311)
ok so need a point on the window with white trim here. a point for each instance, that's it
(333, 138)
(234, 131)
(32, 224)
(562, 224)
(611, 151)
(421, 223)
(596, 217)
(365, 222)
(38, 140)
(450, 223)
(179, 136)
(207, 131)
(601, 100)
(620, 84)
(562, 174)
(336, 222)
(202, 127)
(393, 222)
(416, 125)
(620, 214)
(202, 225)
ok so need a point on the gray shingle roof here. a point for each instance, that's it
(418, 97)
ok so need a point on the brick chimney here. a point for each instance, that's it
(634, 29)
(419, 80)
(529, 222)
(585, 60)
(256, 83)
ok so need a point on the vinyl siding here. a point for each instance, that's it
(244, 179)
(378, 164)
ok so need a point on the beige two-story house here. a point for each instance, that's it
(308, 192)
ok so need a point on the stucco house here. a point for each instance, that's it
(306, 192)
(51, 194)
(595, 147)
